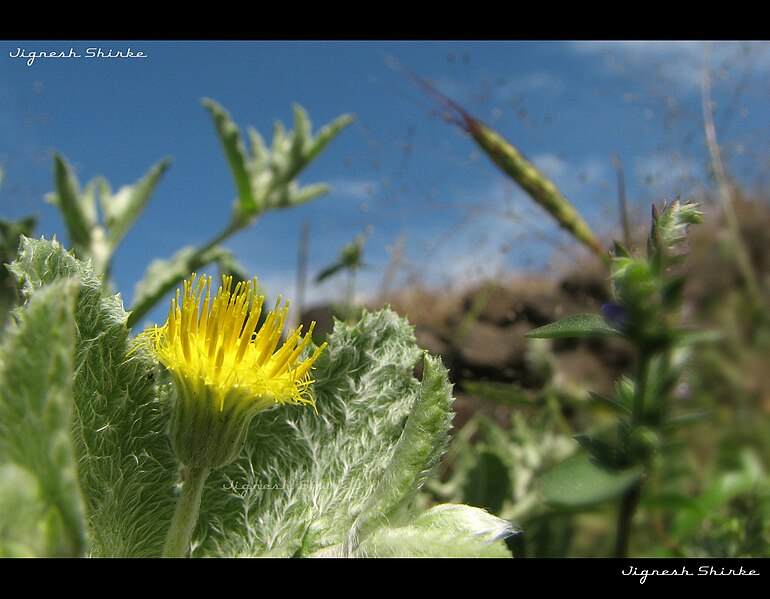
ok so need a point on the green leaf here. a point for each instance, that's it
(36, 405)
(305, 478)
(580, 483)
(236, 155)
(125, 466)
(122, 209)
(22, 511)
(612, 403)
(162, 276)
(722, 490)
(605, 454)
(686, 419)
(10, 235)
(259, 152)
(619, 250)
(330, 271)
(578, 325)
(301, 136)
(504, 393)
(443, 531)
(326, 134)
(306, 193)
(487, 484)
(78, 217)
(415, 456)
(625, 388)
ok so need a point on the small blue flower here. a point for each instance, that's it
(616, 314)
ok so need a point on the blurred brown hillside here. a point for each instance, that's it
(479, 333)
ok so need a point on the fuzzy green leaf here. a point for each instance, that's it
(78, 216)
(22, 511)
(578, 325)
(579, 483)
(10, 234)
(326, 134)
(443, 531)
(125, 466)
(36, 405)
(122, 209)
(304, 194)
(236, 155)
(415, 456)
(305, 478)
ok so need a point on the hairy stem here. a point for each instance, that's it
(186, 514)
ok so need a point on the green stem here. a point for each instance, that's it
(186, 514)
(630, 498)
(234, 226)
(627, 509)
(351, 296)
(195, 262)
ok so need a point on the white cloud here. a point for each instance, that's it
(680, 64)
(356, 189)
(535, 82)
(550, 164)
(668, 175)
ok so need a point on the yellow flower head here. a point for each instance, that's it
(225, 370)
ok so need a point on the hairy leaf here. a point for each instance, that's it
(443, 531)
(306, 478)
(301, 468)
(36, 405)
(122, 209)
(236, 155)
(415, 455)
(78, 216)
(10, 234)
(125, 466)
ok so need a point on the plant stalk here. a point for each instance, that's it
(139, 311)
(741, 254)
(630, 499)
(186, 514)
(627, 509)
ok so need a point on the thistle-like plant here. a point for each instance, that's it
(98, 421)
(224, 372)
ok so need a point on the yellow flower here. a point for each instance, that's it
(225, 372)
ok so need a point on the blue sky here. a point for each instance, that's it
(397, 173)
